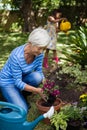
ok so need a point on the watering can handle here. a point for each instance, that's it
(21, 110)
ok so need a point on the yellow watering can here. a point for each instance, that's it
(65, 25)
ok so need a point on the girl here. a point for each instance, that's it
(52, 28)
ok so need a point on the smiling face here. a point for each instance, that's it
(34, 50)
(37, 50)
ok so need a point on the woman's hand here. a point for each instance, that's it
(35, 90)
(44, 81)
(40, 92)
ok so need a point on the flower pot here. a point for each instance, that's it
(84, 124)
(43, 109)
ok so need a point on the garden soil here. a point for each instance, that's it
(67, 94)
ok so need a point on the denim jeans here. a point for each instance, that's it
(13, 95)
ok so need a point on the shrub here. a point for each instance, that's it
(76, 51)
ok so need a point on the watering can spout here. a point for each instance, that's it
(32, 125)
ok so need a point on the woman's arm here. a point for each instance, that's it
(17, 76)
(34, 90)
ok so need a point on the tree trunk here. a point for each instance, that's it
(26, 9)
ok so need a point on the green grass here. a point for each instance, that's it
(8, 41)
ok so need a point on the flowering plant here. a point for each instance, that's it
(83, 99)
(83, 105)
(49, 88)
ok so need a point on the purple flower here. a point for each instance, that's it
(50, 88)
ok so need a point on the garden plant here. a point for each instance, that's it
(76, 50)
(66, 116)
(51, 92)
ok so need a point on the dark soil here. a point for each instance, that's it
(67, 94)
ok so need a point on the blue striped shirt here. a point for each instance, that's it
(16, 67)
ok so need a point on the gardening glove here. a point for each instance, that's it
(50, 113)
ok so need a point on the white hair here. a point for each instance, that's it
(39, 37)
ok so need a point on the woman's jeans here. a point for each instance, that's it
(13, 95)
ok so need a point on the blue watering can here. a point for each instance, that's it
(14, 117)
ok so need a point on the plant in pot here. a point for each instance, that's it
(52, 92)
(68, 116)
(75, 118)
(59, 120)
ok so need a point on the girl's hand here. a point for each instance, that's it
(65, 19)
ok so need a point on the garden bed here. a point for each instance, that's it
(67, 93)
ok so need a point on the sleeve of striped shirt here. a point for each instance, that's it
(17, 72)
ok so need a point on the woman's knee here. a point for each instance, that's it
(37, 78)
(34, 79)
(14, 96)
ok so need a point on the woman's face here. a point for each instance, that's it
(37, 50)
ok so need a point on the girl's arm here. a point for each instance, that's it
(52, 19)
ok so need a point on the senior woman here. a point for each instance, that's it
(23, 69)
